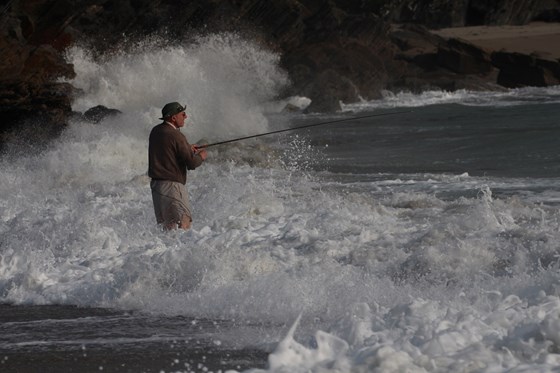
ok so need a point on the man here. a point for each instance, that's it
(170, 156)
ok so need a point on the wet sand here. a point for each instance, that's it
(72, 339)
(538, 38)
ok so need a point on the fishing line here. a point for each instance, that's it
(301, 127)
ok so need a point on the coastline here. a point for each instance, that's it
(540, 39)
(63, 338)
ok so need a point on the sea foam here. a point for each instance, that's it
(386, 272)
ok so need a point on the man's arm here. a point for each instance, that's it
(188, 155)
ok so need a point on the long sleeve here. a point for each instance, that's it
(187, 157)
(170, 155)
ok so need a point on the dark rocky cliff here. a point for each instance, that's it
(333, 49)
(455, 13)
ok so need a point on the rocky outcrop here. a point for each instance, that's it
(442, 13)
(463, 58)
(98, 113)
(32, 38)
(335, 68)
(333, 50)
(454, 64)
(519, 70)
(436, 63)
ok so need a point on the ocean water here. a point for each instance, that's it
(424, 241)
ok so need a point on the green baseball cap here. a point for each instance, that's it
(171, 109)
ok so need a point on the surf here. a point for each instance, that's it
(406, 267)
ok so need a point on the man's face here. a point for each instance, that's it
(179, 119)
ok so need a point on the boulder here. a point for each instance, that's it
(437, 63)
(45, 105)
(436, 14)
(98, 113)
(463, 58)
(31, 41)
(417, 45)
(520, 70)
(326, 90)
(430, 13)
(334, 51)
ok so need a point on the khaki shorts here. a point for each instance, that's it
(171, 202)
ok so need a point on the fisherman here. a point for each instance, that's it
(169, 157)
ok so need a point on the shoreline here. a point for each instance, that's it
(540, 39)
(64, 338)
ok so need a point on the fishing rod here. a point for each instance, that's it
(301, 127)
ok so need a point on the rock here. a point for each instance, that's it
(415, 39)
(472, 67)
(42, 106)
(30, 66)
(548, 15)
(326, 90)
(431, 13)
(520, 70)
(291, 108)
(438, 63)
(44, 64)
(323, 69)
(441, 13)
(553, 66)
(98, 113)
(506, 12)
(463, 58)
(334, 51)
(417, 45)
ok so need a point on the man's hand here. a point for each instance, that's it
(202, 152)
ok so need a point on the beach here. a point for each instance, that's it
(537, 38)
(424, 241)
(79, 339)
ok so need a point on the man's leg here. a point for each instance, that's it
(185, 222)
(171, 205)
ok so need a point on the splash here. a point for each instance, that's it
(225, 81)
(389, 272)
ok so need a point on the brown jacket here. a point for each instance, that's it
(170, 154)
